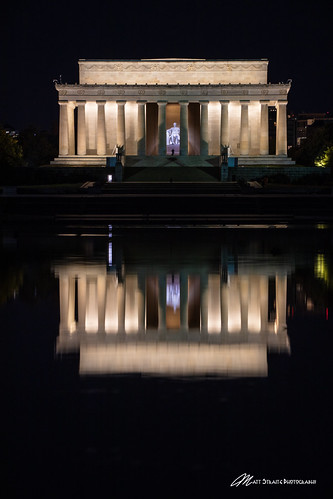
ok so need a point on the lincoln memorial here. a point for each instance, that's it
(184, 107)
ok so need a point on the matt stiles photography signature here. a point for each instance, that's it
(247, 480)
(244, 479)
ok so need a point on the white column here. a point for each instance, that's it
(254, 315)
(224, 307)
(101, 298)
(264, 303)
(234, 305)
(141, 138)
(244, 129)
(63, 129)
(81, 127)
(121, 137)
(281, 128)
(141, 302)
(203, 302)
(71, 130)
(281, 302)
(101, 131)
(214, 304)
(224, 123)
(91, 305)
(204, 128)
(183, 128)
(67, 303)
(81, 300)
(161, 128)
(264, 128)
(131, 303)
(244, 302)
(111, 304)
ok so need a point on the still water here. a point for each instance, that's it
(166, 359)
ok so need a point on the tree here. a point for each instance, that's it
(39, 147)
(325, 157)
(11, 153)
(317, 147)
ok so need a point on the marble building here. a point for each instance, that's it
(139, 104)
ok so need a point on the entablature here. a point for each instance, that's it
(174, 93)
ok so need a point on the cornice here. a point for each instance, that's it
(234, 91)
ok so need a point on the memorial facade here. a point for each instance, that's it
(160, 107)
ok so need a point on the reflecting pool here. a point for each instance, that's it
(139, 358)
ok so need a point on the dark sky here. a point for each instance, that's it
(45, 39)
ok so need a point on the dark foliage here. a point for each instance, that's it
(39, 147)
(319, 139)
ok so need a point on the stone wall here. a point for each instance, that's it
(293, 172)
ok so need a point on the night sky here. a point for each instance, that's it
(45, 39)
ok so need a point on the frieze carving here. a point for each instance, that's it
(62, 92)
(245, 92)
(81, 92)
(224, 92)
(183, 92)
(121, 92)
(181, 67)
(141, 91)
(204, 92)
(264, 92)
(101, 91)
(162, 92)
(283, 91)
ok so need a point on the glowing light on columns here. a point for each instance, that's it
(92, 306)
(67, 299)
(131, 304)
(234, 306)
(214, 127)
(281, 301)
(254, 318)
(91, 127)
(111, 308)
(214, 304)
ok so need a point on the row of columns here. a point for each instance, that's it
(67, 132)
(106, 305)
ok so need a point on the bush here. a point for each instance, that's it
(11, 153)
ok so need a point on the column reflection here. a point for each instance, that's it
(194, 320)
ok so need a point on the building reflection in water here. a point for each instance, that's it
(193, 320)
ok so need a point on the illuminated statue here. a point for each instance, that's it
(173, 135)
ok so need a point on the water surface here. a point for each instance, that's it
(141, 358)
